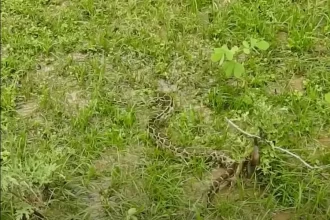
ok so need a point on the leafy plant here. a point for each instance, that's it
(227, 58)
(131, 214)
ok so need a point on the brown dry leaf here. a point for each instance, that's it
(297, 83)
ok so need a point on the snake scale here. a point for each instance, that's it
(212, 158)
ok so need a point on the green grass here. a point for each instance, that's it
(77, 78)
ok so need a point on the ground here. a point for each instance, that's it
(77, 78)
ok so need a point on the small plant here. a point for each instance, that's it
(227, 58)
(131, 214)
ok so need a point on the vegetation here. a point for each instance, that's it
(77, 78)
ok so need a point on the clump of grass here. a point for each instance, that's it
(76, 79)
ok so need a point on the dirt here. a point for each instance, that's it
(283, 216)
(274, 89)
(111, 158)
(325, 141)
(320, 47)
(297, 83)
(79, 57)
(166, 87)
(127, 162)
(282, 38)
(76, 98)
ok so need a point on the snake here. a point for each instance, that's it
(212, 158)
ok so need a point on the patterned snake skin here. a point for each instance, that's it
(212, 158)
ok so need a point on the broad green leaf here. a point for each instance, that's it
(224, 47)
(253, 42)
(229, 68)
(246, 50)
(238, 69)
(327, 97)
(229, 55)
(132, 211)
(218, 50)
(222, 60)
(262, 45)
(246, 44)
(216, 56)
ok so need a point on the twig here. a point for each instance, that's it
(296, 156)
(271, 143)
(242, 131)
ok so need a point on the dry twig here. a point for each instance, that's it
(272, 145)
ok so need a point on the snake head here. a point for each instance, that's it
(255, 156)
(254, 159)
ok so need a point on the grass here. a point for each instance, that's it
(77, 77)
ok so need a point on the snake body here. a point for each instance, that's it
(212, 158)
